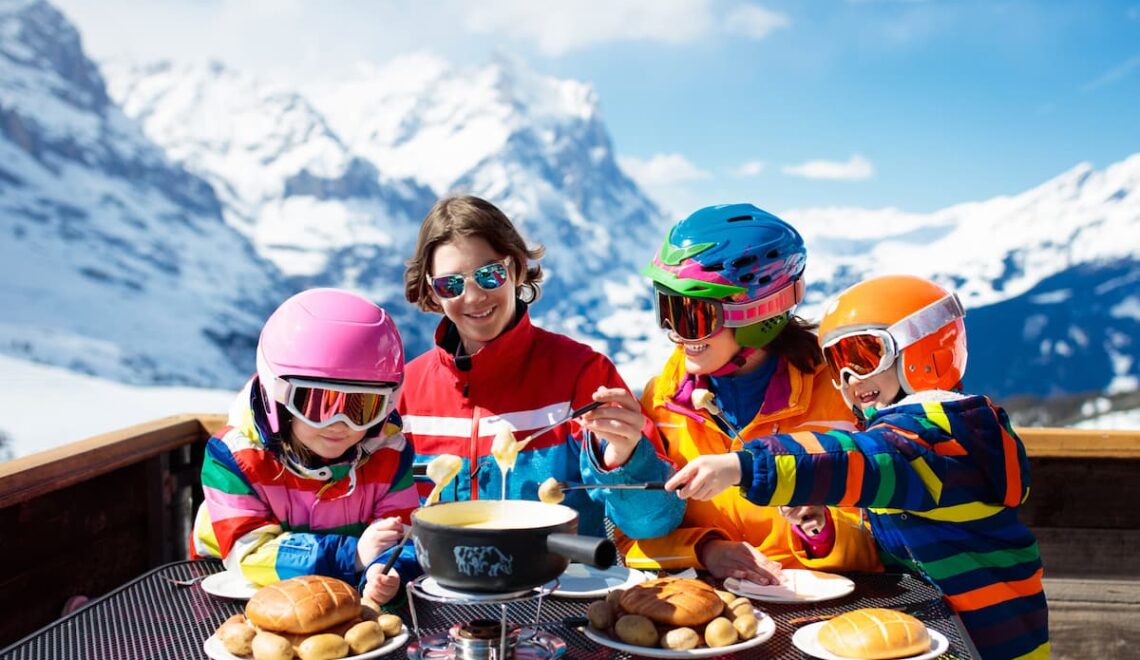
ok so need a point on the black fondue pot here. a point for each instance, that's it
(496, 546)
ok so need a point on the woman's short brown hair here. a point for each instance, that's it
(469, 217)
(798, 343)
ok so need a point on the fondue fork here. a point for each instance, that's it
(648, 485)
(574, 414)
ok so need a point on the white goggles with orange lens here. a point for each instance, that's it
(866, 352)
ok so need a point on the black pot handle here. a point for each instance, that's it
(591, 550)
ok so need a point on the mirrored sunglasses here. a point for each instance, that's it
(489, 277)
(322, 404)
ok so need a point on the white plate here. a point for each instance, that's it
(229, 584)
(217, 651)
(805, 639)
(799, 586)
(763, 634)
(432, 587)
(584, 581)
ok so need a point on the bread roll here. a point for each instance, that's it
(673, 601)
(874, 634)
(305, 604)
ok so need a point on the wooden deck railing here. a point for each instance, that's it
(88, 516)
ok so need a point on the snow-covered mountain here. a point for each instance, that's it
(285, 178)
(114, 261)
(158, 265)
(406, 134)
(1051, 276)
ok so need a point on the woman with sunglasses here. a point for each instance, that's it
(941, 473)
(727, 280)
(312, 474)
(492, 369)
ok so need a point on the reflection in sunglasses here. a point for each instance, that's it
(489, 277)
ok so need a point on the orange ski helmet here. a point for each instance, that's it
(899, 320)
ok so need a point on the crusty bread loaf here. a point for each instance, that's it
(875, 634)
(673, 601)
(303, 604)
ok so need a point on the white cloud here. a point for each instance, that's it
(749, 168)
(754, 22)
(561, 27)
(662, 169)
(857, 168)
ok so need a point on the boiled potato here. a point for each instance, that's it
(601, 615)
(726, 596)
(369, 610)
(719, 632)
(614, 599)
(325, 646)
(267, 646)
(364, 636)
(390, 624)
(738, 601)
(637, 630)
(742, 610)
(237, 636)
(746, 626)
(550, 491)
(680, 639)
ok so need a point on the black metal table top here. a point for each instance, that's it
(149, 618)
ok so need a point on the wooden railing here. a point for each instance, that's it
(88, 516)
(83, 518)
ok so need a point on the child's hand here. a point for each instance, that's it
(619, 425)
(740, 560)
(377, 537)
(811, 519)
(380, 587)
(705, 477)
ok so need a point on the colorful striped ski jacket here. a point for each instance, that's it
(942, 475)
(272, 520)
(793, 401)
(527, 378)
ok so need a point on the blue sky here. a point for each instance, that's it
(910, 104)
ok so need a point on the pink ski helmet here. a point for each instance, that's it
(327, 334)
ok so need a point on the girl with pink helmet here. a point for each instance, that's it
(312, 474)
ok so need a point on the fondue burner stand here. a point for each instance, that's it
(489, 635)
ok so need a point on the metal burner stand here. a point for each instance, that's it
(415, 589)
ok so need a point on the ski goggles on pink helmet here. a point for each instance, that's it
(865, 352)
(489, 277)
(694, 319)
(321, 403)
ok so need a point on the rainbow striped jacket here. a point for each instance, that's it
(942, 476)
(271, 520)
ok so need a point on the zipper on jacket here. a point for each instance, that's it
(473, 449)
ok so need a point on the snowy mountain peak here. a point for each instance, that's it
(114, 262)
(35, 36)
(286, 179)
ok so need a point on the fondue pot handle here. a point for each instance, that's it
(598, 552)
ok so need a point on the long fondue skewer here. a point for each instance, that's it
(442, 470)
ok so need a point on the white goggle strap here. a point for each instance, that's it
(926, 321)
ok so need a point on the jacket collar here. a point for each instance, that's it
(502, 352)
(788, 392)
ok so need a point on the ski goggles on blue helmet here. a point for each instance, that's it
(695, 319)
(489, 277)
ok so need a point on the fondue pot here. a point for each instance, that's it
(497, 546)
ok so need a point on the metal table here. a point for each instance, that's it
(149, 618)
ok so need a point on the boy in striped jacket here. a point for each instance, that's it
(941, 473)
